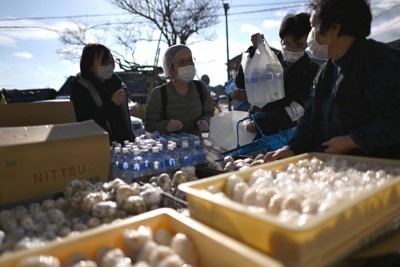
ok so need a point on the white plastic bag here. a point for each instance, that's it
(263, 75)
(223, 130)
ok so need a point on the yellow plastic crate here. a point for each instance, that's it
(325, 239)
(213, 248)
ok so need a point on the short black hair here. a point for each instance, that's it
(89, 53)
(295, 25)
(354, 16)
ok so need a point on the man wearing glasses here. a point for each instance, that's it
(299, 73)
(355, 101)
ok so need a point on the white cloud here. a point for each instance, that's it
(387, 31)
(6, 41)
(249, 29)
(30, 30)
(41, 71)
(25, 55)
(271, 23)
(386, 22)
(66, 62)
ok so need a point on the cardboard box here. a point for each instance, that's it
(327, 238)
(40, 160)
(212, 248)
(27, 114)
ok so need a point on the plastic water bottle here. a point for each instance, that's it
(135, 163)
(146, 167)
(156, 161)
(164, 142)
(171, 158)
(199, 153)
(185, 157)
(116, 158)
(125, 174)
(276, 82)
(163, 154)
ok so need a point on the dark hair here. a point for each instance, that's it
(295, 25)
(89, 53)
(354, 16)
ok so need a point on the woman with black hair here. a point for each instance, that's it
(98, 93)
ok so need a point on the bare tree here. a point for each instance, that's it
(125, 35)
(177, 20)
(77, 35)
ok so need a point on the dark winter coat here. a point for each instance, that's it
(112, 118)
(360, 94)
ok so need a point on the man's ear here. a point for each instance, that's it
(336, 27)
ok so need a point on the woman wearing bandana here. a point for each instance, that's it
(182, 105)
(98, 94)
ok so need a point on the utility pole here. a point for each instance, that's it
(226, 7)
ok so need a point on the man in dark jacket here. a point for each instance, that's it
(355, 101)
(299, 73)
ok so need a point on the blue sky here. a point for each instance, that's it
(29, 58)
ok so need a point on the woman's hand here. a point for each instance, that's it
(119, 97)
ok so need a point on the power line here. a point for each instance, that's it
(63, 17)
(119, 14)
(117, 23)
(270, 4)
(283, 6)
(265, 10)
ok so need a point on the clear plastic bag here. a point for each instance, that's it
(263, 75)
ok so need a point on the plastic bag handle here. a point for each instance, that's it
(252, 117)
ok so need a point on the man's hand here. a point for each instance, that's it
(251, 127)
(254, 39)
(278, 154)
(340, 145)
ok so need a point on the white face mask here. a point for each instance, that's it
(186, 74)
(317, 50)
(105, 72)
(291, 56)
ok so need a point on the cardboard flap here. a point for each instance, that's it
(43, 133)
(26, 114)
